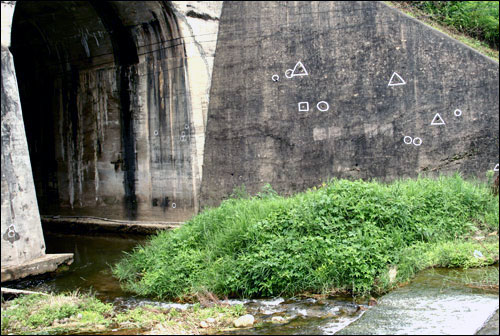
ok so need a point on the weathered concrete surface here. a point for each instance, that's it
(199, 25)
(115, 104)
(491, 327)
(40, 265)
(22, 241)
(115, 97)
(21, 232)
(372, 127)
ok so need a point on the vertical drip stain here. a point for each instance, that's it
(96, 174)
(101, 108)
(172, 149)
(83, 111)
(70, 105)
(60, 121)
(80, 100)
(128, 140)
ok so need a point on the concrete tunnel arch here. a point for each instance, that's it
(106, 108)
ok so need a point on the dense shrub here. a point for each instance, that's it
(478, 19)
(344, 235)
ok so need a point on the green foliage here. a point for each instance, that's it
(31, 313)
(478, 19)
(94, 305)
(267, 192)
(84, 314)
(449, 254)
(343, 236)
(48, 314)
(240, 192)
(93, 317)
(141, 316)
(237, 310)
(5, 324)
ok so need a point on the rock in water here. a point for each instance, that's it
(278, 319)
(244, 321)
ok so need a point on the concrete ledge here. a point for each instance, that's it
(44, 264)
(74, 224)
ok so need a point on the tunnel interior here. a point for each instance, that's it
(104, 96)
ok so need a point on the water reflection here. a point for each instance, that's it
(91, 268)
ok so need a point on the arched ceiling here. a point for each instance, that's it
(87, 33)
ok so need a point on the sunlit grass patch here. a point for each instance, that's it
(74, 312)
(55, 313)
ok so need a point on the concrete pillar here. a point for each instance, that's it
(22, 236)
(21, 231)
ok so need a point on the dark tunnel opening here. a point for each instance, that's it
(57, 46)
(106, 107)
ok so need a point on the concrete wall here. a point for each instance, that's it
(364, 106)
(115, 102)
(127, 105)
(21, 232)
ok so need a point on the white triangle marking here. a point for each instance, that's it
(401, 80)
(496, 168)
(437, 120)
(299, 67)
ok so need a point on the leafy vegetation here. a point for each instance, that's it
(478, 19)
(474, 23)
(68, 313)
(60, 313)
(342, 236)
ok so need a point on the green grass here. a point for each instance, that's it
(474, 23)
(343, 236)
(31, 314)
(478, 19)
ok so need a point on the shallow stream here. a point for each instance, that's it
(435, 302)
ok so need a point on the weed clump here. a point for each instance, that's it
(60, 313)
(343, 236)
